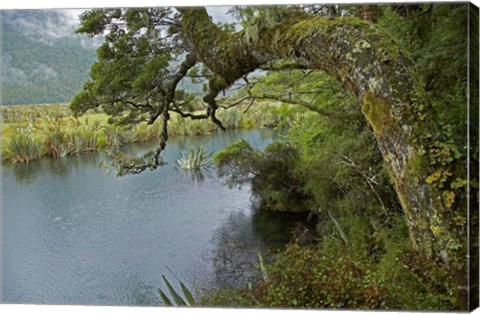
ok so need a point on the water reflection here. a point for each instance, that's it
(234, 257)
(58, 167)
(63, 166)
(198, 175)
(237, 243)
(72, 235)
(24, 174)
(276, 228)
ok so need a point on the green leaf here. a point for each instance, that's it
(188, 294)
(262, 268)
(186, 291)
(178, 299)
(164, 297)
(339, 228)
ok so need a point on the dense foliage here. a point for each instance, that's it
(361, 260)
(270, 173)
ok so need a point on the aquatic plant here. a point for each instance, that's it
(22, 148)
(55, 143)
(194, 159)
(62, 135)
(83, 139)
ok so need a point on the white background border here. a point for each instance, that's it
(73, 4)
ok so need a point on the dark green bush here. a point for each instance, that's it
(363, 258)
(270, 172)
(336, 275)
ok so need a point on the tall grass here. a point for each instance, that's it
(188, 127)
(55, 143)
(117, 136)
(22, 148)
(82, 139)
(145, 132)
(231, 119)
(22, 113)
(30, 132)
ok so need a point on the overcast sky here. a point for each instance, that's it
(52, 27)
(218, 14)
(122, 3)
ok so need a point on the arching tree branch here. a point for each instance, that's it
(370, 64)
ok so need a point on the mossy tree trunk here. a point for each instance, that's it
(372, 66)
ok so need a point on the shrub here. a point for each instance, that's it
(82, 139)
(270, 173)
(22, 148)
(310, 279)
(337, 275)
(55, 142)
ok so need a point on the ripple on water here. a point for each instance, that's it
(76, 236)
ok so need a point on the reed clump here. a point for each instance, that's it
(30, 132)
(194, 159)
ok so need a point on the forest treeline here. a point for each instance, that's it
(43, 61)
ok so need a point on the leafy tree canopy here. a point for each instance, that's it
(392, 79)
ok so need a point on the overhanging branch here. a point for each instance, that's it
(283, 99)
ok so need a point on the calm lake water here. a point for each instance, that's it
(74, 235)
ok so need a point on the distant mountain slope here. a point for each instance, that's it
(43, 60)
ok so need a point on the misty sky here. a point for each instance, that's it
(51, 27)
(218, 14)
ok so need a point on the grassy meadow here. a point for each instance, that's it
(30, 132)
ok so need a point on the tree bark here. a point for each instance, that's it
(372, 66)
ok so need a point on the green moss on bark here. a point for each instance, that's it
(372, 65)
(378, 113)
